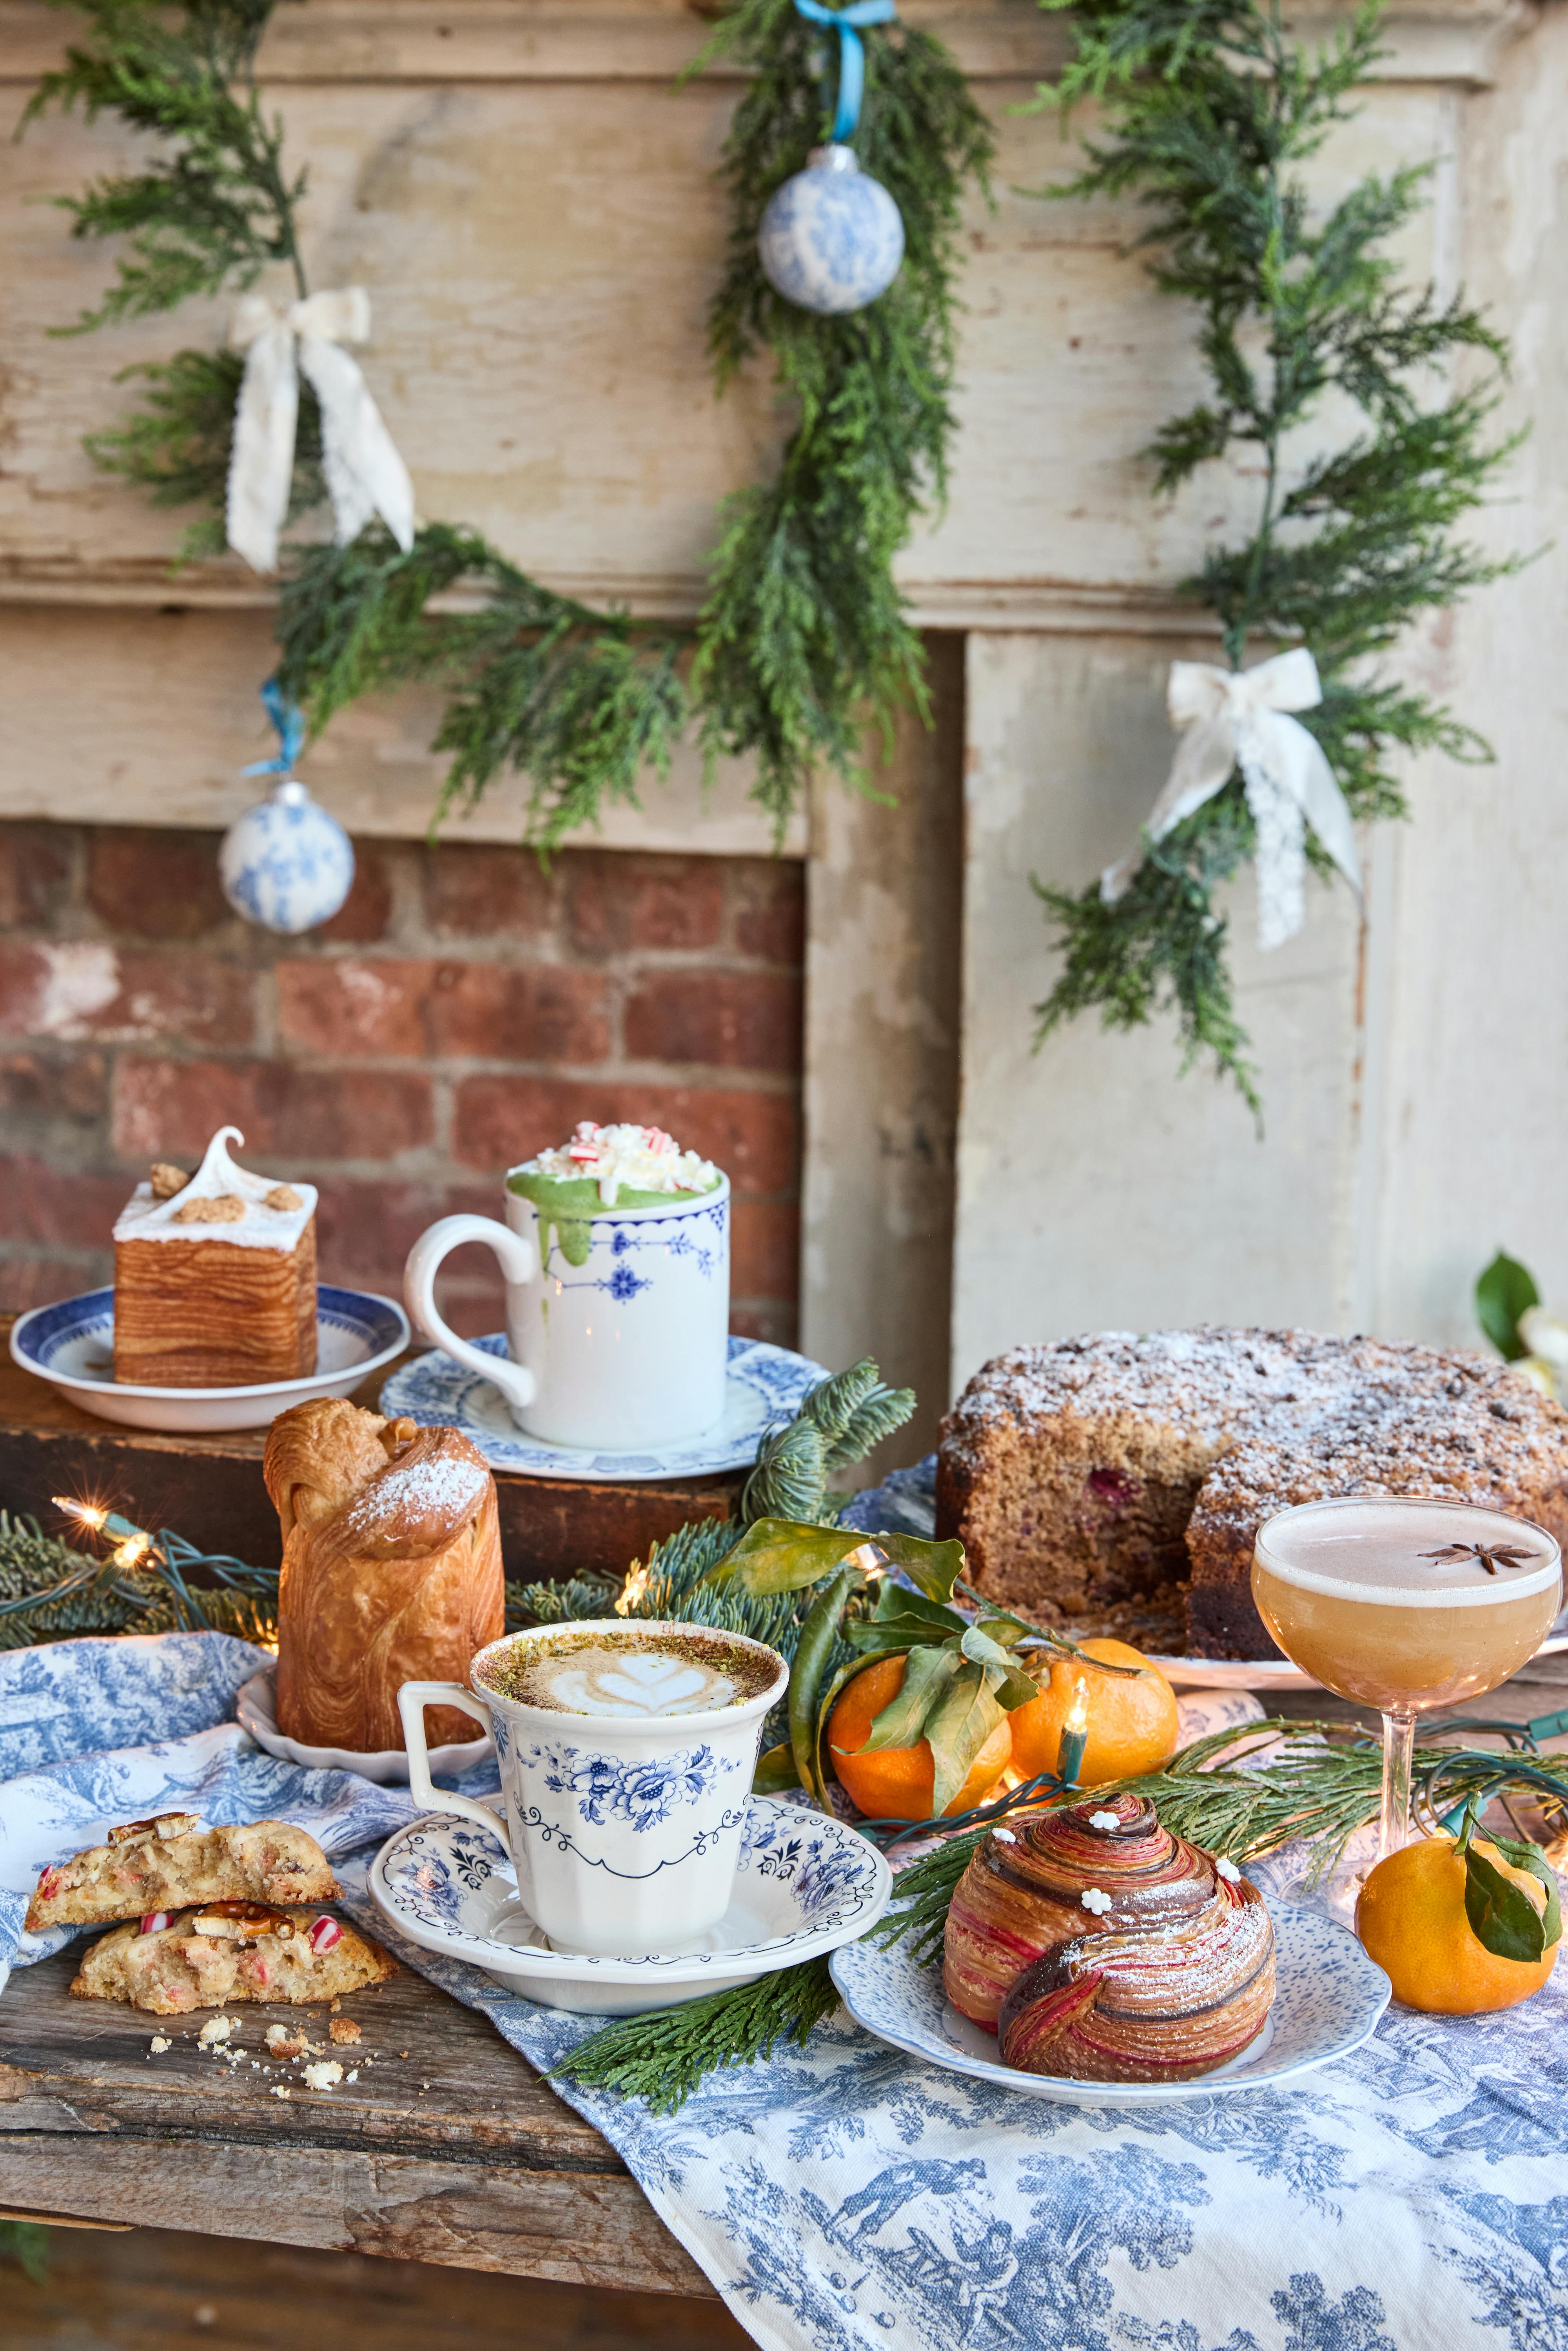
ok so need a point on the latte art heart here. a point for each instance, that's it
(632, 1677)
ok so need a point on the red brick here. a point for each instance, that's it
(287, 1117)
(519, 1012)
(28, 1281)
(154, 883)
(34, 872)
(366, 913)
(41, 1203)
(723, 1019)
(480, 893)
(765, 1249)
(365, 1230)
(771, 910)
(62, 1086)
(752, 1136)
(82, 988)
(355, 1005)
(615, 901)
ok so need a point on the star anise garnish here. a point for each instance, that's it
(1491, 1555)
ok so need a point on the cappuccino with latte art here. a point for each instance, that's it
(631, 1676)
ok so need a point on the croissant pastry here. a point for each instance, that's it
(1097, 1944)
(392, 1570)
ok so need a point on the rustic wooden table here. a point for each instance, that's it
(447, 2148)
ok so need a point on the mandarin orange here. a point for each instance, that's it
(899, 1783)
(1132, 1725)
(1411, 1920)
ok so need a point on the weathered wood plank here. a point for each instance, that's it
(448, 2148)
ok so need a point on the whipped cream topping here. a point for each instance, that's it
(624, 1158)
(256, 1225)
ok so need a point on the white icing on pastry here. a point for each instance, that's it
(218, 1179)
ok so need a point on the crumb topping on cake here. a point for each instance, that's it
(252, 1211)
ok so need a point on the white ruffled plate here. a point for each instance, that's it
(71, 1345)
(1328, 1999)
(805, 1885)
(257, 1707)
(765, 1385)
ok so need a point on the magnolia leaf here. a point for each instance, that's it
(927, 1674)
(934, 1568)
(957, 1727)
(896, 1634)
(981, 1650)
(895, 1600)
(775, 1770)
(1009, 1630)
(1009, 1686)
(1502, 1915)
(784, 1555)
(1505, 1292)
(1531, 1857)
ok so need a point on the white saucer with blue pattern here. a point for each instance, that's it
(765, 1385)
(805, 1885)
(1328, 1998)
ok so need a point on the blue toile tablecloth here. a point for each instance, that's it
(1411, 2198)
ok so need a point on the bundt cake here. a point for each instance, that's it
(1116, 1482)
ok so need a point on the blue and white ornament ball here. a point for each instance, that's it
(285, 863)
(831, 238)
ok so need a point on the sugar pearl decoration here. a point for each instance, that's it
(1229, 1871)
(831, 238)
(1093, 1899)
(1105, 1820)
(285, 863)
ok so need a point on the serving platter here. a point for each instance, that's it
(71, 1345)
(764, 1385)
(1328, 1999)
(805, 1884)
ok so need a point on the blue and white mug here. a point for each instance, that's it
(625, 1832)
(622, 1353)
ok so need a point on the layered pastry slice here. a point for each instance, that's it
(214, 1277)
(225, 1951)
(1096, 1945)
(166, 1864)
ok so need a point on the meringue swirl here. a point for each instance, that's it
(1108, 1953)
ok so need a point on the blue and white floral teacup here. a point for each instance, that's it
(624, 1830)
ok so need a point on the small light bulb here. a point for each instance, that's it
(631, 1591)
(1077, 1717)
(88, 1512)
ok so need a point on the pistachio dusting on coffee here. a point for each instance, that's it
(630, 1676)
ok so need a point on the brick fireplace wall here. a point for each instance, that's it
(464, 1009)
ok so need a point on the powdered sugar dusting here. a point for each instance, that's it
(442, 1484)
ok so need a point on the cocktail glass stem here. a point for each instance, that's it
(1399, 1740)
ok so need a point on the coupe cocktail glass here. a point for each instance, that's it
(1406, 1605)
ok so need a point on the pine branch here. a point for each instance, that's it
(662, 2058)
(581, 701)
(803, 637)
(1209, 112)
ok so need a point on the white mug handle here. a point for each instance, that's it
(518, 1263)
(412, 1701)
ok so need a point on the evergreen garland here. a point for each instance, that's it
(1208, 110)
(804, 636)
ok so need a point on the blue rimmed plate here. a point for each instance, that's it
(71, 1345)
(764, 1385)
(805, 1885)
(1328, 1998)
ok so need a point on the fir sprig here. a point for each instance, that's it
(804, 637)
(662, 2058)
(1209, 112)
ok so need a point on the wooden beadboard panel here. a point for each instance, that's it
(148, 717)
(651, 40)
(541, 259)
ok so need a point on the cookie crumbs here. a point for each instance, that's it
(343, 2029)
(279, 2091)
(217, 2029)
(323, 2076)
(157, 2045)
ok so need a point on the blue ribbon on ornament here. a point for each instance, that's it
(290, 721)
(851, 53)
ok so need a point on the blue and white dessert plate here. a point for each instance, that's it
(765, 1385)
(805, 1885)
(71, 1345)
(1328, 1999)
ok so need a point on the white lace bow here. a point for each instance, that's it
(365, 475)
(1230, 718)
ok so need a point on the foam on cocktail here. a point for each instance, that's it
(1398, 1555)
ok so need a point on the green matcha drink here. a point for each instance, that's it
(604, 1168)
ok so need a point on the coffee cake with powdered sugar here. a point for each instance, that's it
(1119, 1479)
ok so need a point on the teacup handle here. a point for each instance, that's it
(518, 1263)
(412, 1701)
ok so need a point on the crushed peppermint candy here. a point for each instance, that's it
(153, 1921)
(1229, 1871)
(323, 1935)
(1105, 1820)
(1093, 1899)
(625, 1157)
